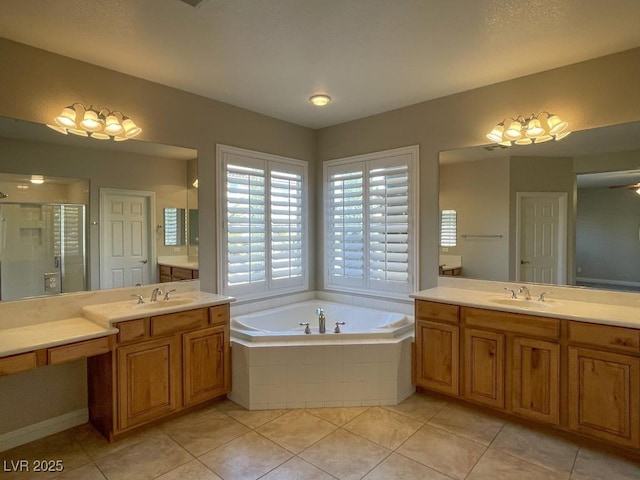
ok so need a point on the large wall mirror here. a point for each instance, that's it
(565, 212)
(94, 218)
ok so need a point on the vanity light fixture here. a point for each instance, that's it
(525, 131)
(320, 100)
(101, 124)
(37, 179)
(195, 183)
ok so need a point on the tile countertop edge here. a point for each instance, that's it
(590, 312)
(26, 347)
(106, 314)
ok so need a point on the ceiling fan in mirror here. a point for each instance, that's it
(633, 186)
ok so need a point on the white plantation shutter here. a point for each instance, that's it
(346, 232)
(264, 206)
(448, 228)
(286, 226)
(389, 225)
(371, 220)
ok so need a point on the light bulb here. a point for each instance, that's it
(37, 179)
(320, 100)
(513, 132)
(495, 135)
(556, 125)
(523, 141)
(100, 136)
(67, 118)
(638, 191)
(113, 126)
(130, 128)
(543, 138)
(534, 129)
(77, 131)
(120, 139)
(90, 122)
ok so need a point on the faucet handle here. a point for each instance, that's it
(139, 297)
(337, 329)
(307, 330)
(513, 292)
(542, 295)
(166, 294)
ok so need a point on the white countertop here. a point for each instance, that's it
(179, 263)
(50, 334)
(591, 312)
(107, 314)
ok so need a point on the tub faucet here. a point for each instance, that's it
(322, 328)
(525, 290)
(154, 294)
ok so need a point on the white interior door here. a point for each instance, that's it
(541, 237)
(126, 240)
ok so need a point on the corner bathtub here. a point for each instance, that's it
(283, 324)
(276, 365)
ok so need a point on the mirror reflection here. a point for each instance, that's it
(175, 226)
(564, 212)
(114, 236)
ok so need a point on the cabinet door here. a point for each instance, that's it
(437, 353)
(604, 395)
(536, 380)
(206, 364)
(149, 380)
(484, 367)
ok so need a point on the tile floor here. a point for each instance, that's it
(422, 438)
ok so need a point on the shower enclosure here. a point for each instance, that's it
(42, 249)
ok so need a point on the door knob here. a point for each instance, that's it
(144, 261)
(523, 262)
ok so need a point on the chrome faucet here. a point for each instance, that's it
(322, 328)
(167, 293)
(513, 292)
(525, 290)
(154, 294)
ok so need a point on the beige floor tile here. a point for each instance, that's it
(250, 418)
(418, 406)
(97, 446)
(193, 470)
(345, 455)
(338, 415)
(497, 465)
(447, 453)
(245, 458)
(592, 465)
(203, 432)
(60, 446)
(384, 427)
(535, 447)
(467, 423)
(297, 469)
(146, 459)
(397, 467)
(86, 472)
(296, 430)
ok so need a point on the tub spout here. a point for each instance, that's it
(337, 329)
(322, 328)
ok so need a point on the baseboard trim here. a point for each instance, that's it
(43, 429)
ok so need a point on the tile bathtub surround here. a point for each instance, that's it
(421, 438)
(309, 375)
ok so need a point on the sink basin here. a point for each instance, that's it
(172, 302)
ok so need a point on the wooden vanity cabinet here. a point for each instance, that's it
(484, 367)
(161, 365)
(437, 347)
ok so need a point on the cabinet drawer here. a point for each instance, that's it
(132, 330)
(165, 270)
(219, 314)
(181, 273)
(512, 322)
(66, 353)
(437, 311)
(178, 322)
(17, 363)
(618, 338)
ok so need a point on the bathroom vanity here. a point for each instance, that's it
(569, 364)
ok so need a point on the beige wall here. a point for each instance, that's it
(590, 94)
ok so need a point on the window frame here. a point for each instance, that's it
(268, 162)
(369, 162)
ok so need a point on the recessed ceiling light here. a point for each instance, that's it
(37, 179)
(320, 100)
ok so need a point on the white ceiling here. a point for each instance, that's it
(370, 56)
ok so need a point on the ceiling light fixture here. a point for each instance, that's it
(320, 100)
(37, 179)
(525, 131)
(101, 124)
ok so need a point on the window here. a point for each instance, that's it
(263, 208)
(371, 222)
(448, 228)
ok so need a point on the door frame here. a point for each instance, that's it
(561, 240)
(151, 206)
